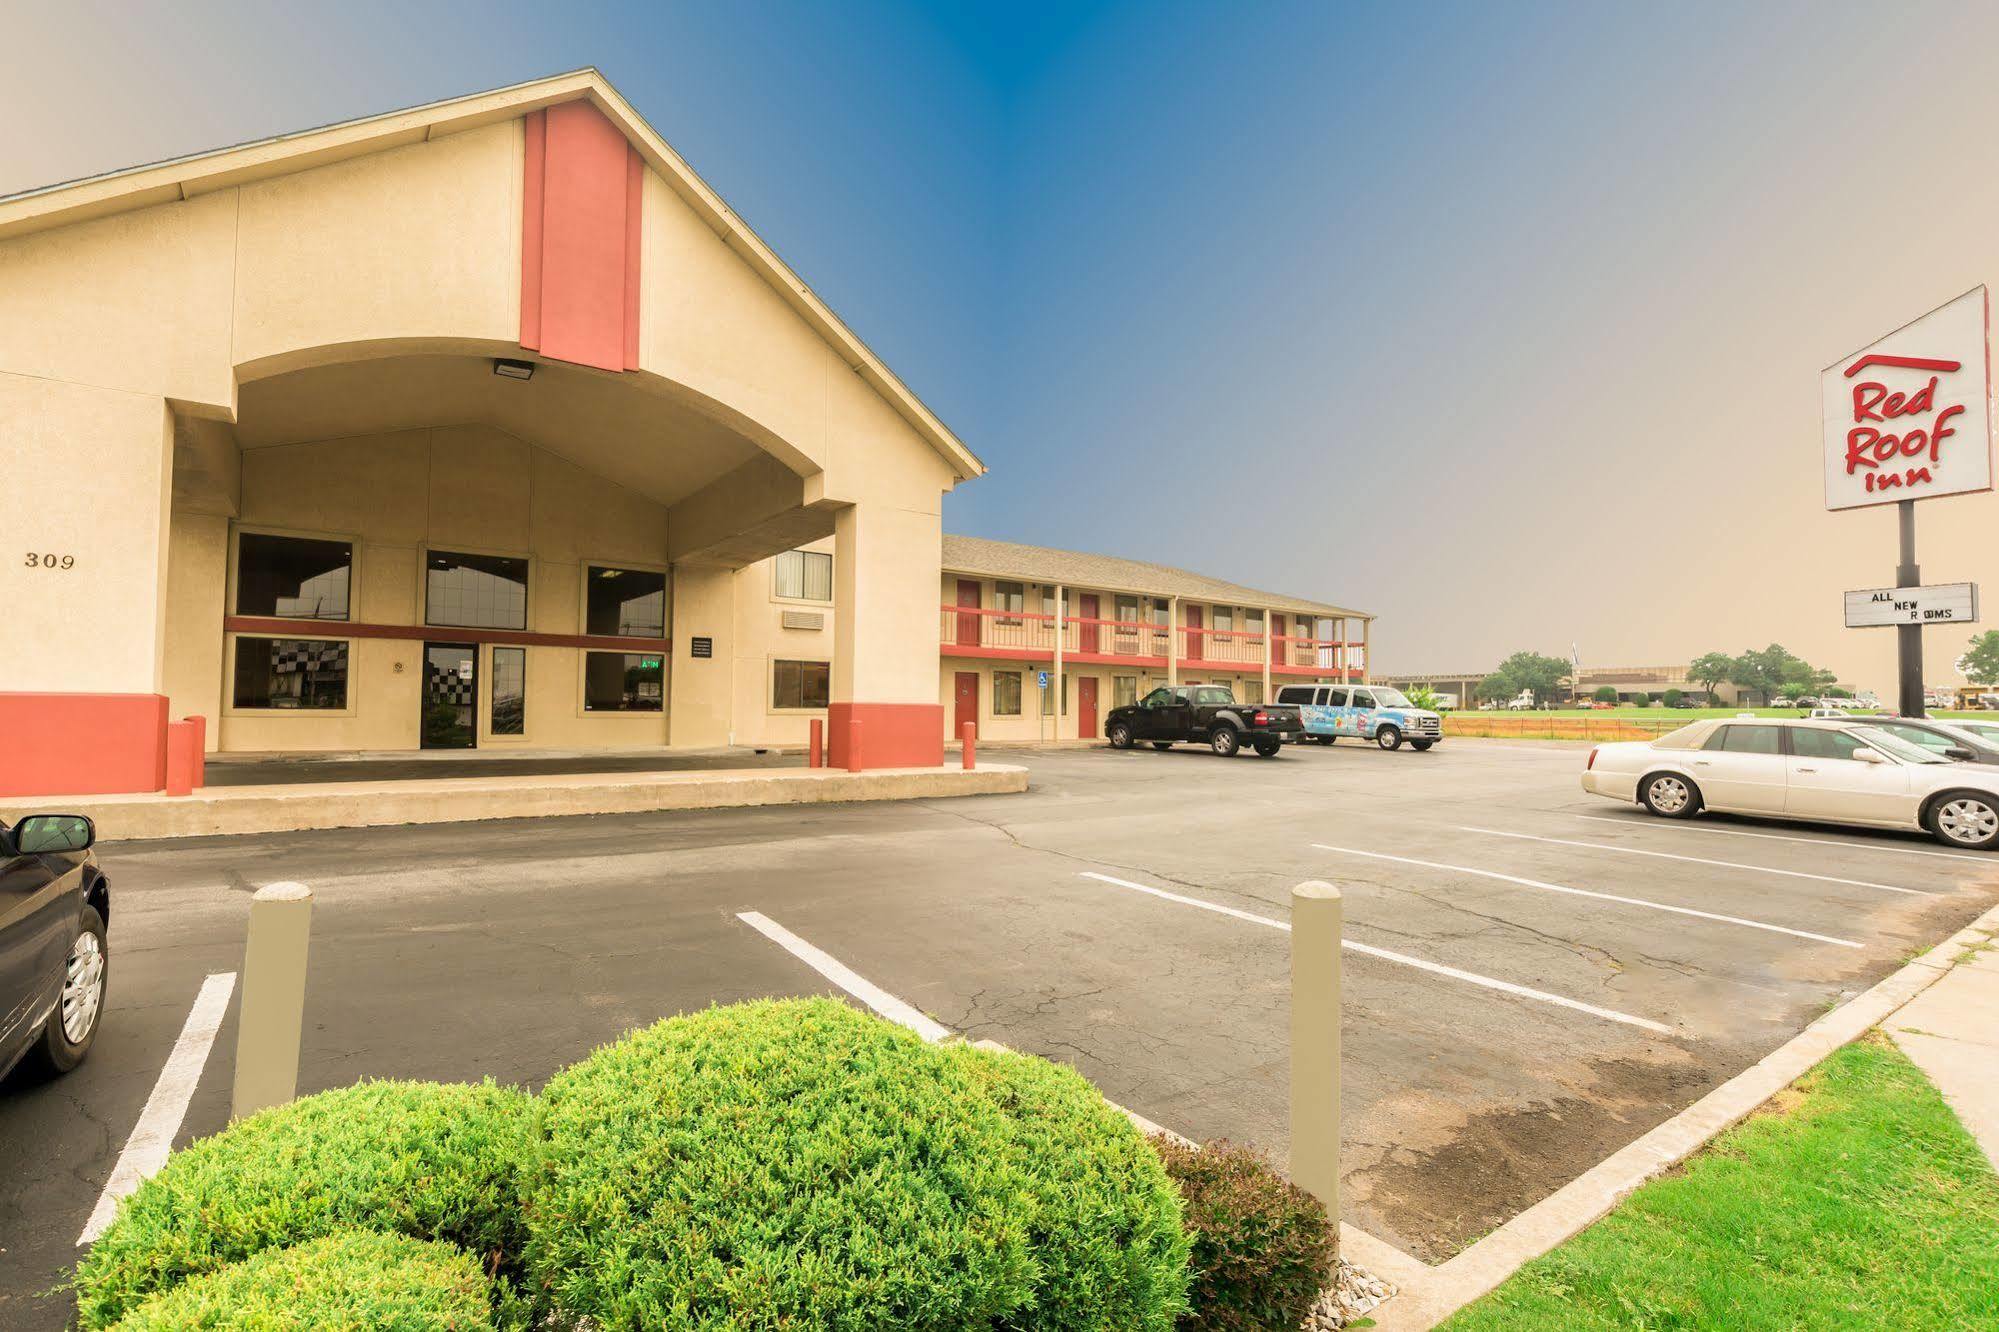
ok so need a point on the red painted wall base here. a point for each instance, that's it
(893, 735)
(82, 744)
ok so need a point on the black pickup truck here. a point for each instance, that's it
(1205, 713)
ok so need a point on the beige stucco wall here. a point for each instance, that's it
(762, 640)
(109, 327)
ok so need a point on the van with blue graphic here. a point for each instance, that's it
(1363, 712)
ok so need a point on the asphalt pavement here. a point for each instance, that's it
(1534, 976)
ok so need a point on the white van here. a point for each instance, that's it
(1363, 712)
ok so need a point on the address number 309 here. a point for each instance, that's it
(37, 560)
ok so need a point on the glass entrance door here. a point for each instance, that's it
(450, 695)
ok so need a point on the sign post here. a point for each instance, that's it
(1909, 417)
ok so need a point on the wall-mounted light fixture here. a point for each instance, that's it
(514, 369)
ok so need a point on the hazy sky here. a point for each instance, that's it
(1503, 321)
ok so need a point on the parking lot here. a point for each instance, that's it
(1534, 977)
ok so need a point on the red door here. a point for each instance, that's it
(966, 695)
(968, 625)
(1088, 632)
(1086, 706)
(1195, 619)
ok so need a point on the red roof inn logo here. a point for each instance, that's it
(1908, 418)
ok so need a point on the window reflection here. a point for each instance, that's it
(295, 578)
(627, 603)
(290, 673)
(510, 691)
(476, 591)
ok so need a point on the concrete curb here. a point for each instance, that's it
(237, 810)
(1431, 1294)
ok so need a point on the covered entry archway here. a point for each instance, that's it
(486, 347)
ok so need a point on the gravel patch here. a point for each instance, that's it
(1352, 1295)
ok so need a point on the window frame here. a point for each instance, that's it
(832, 572)
(229, 708)
(233, 578)
(774, 708)
(629, 566)
(491, 672)
(1019, 679)
(425, 550)
(583, 708)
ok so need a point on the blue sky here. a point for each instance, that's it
(1503, 321)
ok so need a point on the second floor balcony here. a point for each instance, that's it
(969, 631)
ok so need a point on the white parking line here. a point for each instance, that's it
(1698, 860)
(1676, 826)
(153, 1136)
(890, 1007)
(896, 1010)
(1436, 968)
(1586, 892)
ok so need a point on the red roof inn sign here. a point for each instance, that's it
(1910, 416)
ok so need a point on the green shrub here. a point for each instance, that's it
(1263, 1249)
(421, 1159)
(352, 1280)
(801, 1164)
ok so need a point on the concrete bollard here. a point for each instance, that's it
(1316, 922)
(815, 750)
(272, 1016)
(969, 733)
(854, 745)
(185, 760)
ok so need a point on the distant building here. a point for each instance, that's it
(1632, 683)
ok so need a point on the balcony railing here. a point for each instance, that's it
(970, 630)
(1006, 630)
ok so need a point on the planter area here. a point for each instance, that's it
(777, 1164)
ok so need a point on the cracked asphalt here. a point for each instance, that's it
(509, 949)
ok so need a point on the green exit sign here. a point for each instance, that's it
(649, 663)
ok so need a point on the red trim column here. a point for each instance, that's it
(581, 230)
(82, 744)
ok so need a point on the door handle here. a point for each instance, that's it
(1703, 763)
(1807, 769)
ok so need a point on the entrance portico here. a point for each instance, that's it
(449, 424)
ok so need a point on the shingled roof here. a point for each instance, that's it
(1043, 564)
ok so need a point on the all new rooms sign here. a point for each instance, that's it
(1910, 416)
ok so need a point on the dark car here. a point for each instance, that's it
(1205, 713)
(1938, 737)
(54, 904)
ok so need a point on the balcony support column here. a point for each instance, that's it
(1055, 677)
(1173, 640)
(1366, 652)
(1269, 645)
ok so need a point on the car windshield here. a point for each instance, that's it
(1894, 744)
(1391, 698)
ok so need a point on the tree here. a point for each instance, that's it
(1794, 691)
(1606, 693)
(1710, 669)
(1496, 688)
(1421, 696)
(1531, 671)
(1980, 662)
(1672, 698)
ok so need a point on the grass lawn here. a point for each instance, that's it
(1855, 1201)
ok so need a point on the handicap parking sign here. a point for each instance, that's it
(1042, 676)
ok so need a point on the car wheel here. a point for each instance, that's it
(1225, 741)
(1388, 737)
(1420, 745)
(1268, 748)
(1119, 735)
(1162, 745)
(71, 1028)
(1670, 796)
(1327, 739)
(1966, 819)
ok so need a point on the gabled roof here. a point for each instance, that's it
(223, 168)
(1044, 564)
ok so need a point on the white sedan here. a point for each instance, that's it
(1822, 771)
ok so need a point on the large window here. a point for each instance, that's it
(800, 684)
(295, 578)
(1124, 690)
(624, 682)
(805, 575)
(290, 673)
(1006, 693)
(510, 676)
(1252, 691)
(624, 603)
(1010, 597)
(476, 591)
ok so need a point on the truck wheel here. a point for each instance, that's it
(1420, 745)
(1327, 739)
(1162, 745)
(1119, 736)
(1388, 737)
(1225, 741)
(1268, 748)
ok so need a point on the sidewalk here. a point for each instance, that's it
(1951, 1032)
